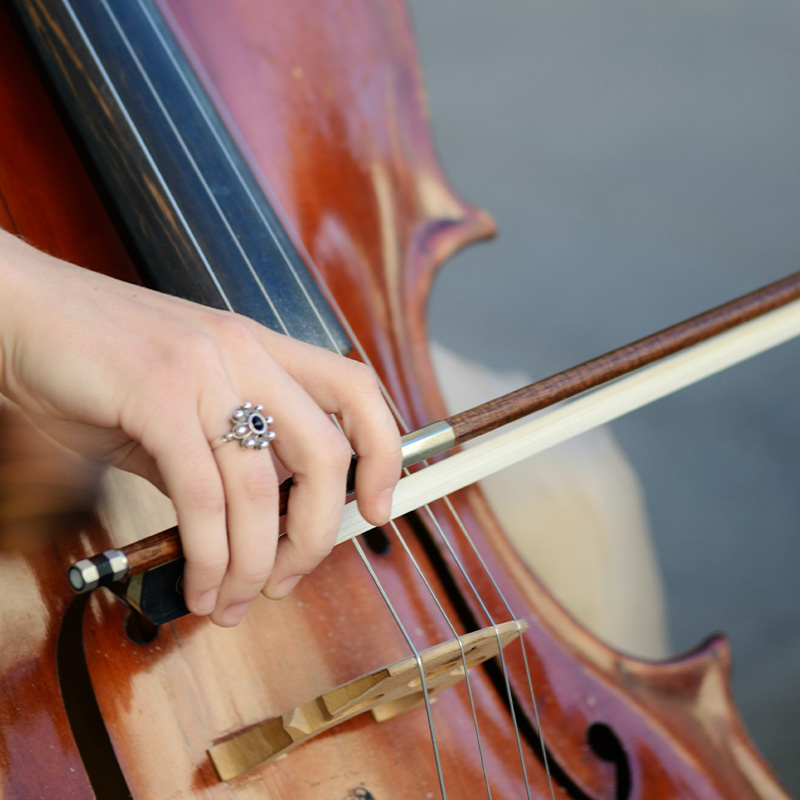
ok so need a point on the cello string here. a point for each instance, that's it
(146, 152)
(178, 67)
(457, 638)
(353, 337)
(460, 523)
(213, 199)
(263, 290)
(417, 657)
(500, 650)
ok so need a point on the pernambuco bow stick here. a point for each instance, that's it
(442, 436)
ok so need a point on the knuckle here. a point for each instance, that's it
(205, 496)
(176, 367)
(334, 453)
(260, 486)
(251, 575)
(196, 346)
(364, 381)
(234, 331)
(210, 567)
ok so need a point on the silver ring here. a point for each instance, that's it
(250, 427)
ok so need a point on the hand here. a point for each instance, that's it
(147, 382)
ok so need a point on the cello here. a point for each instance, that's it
(612, 726)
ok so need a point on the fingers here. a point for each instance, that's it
(193, 482)
(318, 456)
(350, 390)
(251, 492)
(227, 498)
(373, 433)
(226, 503)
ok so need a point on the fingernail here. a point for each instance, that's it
(232, 615)
(206, 602)
(385, 504)
(283, 588)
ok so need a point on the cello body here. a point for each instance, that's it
(332, 118)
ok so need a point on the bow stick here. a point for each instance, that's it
(687, 352)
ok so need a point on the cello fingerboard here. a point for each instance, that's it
(123, 78)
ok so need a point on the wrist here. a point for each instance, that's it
(19, 274)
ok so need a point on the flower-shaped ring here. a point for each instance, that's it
(250, 427)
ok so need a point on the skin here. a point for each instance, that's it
(147, 382)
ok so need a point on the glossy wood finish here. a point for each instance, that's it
(342, 145)
(47, 197)
(201, 226)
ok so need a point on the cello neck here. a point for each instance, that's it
(167, 160)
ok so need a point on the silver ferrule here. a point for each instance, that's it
(117, 563)
(89, 573)
(84, 576)
(433, 439)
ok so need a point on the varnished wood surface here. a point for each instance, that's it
(38, 757)
(367, 200)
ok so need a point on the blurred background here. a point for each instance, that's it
(641, 161)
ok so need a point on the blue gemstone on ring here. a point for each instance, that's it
(254, 434)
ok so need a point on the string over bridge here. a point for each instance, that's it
(386, 693)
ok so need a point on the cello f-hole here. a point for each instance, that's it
(605, 743)
(83, 712)
(139, 629)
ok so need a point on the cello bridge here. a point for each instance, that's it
(386, 692)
